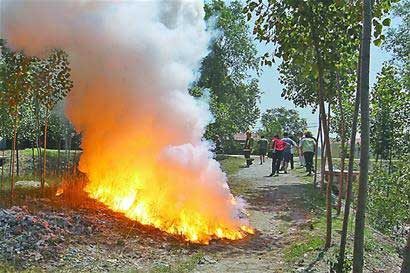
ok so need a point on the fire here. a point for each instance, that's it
(59, 192)
(157, 199)
(142, 132)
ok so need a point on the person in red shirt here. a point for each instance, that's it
(278, 146)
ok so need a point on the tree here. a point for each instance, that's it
(398, 42)
(52, 85)
(349, 185)
(389, 115)
(342, 133)
(16, 84)
(283, 120)
(5, 126)
(224, 73)
(358, 249)
(326, 31)
(398, 39)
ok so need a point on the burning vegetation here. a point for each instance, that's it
(143, 152)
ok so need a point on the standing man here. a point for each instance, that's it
(307, 145)
(263, 148)
(300, 153)
(278, 146)
(288, 152)
(247, 149)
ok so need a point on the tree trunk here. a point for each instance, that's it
(17, 157)
(2, 166)
(43, 177)
(38, 146)
(33, 160)
(58, 157)
(405, 267)
(322, 159)
(349, 182)
(343, 140)
(327, 143)
(319, 133)
(12, 161)
(330, 169)
(69, 152)
(11, 158)
(358, 250)
(329, 107)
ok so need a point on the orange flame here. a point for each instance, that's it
(59, 192)
(168, 196)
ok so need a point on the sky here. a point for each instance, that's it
(272, 88)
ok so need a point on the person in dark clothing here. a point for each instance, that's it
(247, 149)
(278, 147)
(263, 148)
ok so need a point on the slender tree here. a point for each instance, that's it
(358, 251)
(53, 85)
(16, 87)
(349, 185)
(319, 134)
(342, 146)
(327, 143)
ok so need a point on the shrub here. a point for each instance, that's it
(389, 197)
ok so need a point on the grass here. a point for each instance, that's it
(7, 268)
(310, 240)
(297, 250)
(184, 266)
(230, 164)
(50, 152)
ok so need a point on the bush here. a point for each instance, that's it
(389, 197)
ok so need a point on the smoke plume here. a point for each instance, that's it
(132, 63)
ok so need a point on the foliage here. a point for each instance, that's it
(398, 39)
(52, 82)
(283, 120)
(224, 72)
(27, 130)
(389, 197)
(15, 81)
(298, 28)
(390, 115)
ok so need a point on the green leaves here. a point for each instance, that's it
(225, 71)
(53, 79)
(281, 119)
(386, 22)
(29, 85)
(390, 115)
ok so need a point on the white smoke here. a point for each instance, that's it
(132, 63)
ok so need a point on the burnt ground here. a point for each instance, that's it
(83, 236)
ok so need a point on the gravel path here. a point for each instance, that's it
(271, 203)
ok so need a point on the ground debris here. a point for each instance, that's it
(27, 237)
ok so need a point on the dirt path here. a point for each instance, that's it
(273, 212)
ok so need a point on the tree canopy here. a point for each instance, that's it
(279, 120)
(224, 73)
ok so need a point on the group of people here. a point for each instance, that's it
(281, 150)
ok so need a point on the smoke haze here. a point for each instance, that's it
(132, 63)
